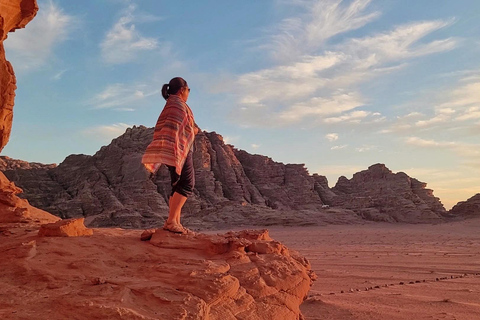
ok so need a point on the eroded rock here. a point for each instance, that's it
(65, 228)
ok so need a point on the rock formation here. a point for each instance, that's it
(111, 188)
(14, 14)
(233, 188)
(379, 194)
(467, 209)
(111, 274)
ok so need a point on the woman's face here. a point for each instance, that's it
(184, 93)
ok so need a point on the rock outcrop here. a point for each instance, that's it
(378, 194)
(65, 228)
(111, 188)
(233, 188)
(14, 14)
(15, 210)
(467, 209)
(112, 274)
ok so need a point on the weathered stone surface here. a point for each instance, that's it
(260, 278)
(113, 275)
(65, 228)
(16, 210)
(380, 195)
(7, 163)
(14, 14)
(467, 209)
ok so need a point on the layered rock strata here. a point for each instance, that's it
(14, 14)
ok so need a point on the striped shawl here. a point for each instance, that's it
(173, 137)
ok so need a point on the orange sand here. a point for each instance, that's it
(360, 270)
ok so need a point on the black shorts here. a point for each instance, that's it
(184, 182)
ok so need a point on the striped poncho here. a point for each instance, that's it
(173, 137)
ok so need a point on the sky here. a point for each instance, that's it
(335, 85)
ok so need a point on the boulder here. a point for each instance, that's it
(65, 228)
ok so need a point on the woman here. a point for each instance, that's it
(172, 145)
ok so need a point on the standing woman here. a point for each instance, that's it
(172, 145)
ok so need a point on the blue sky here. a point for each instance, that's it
(337, 85)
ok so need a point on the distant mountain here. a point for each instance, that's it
(233, 187)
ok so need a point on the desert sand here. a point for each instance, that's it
(390, 271)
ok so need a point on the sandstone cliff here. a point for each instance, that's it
(14, 14)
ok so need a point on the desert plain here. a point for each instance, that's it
(390, 271)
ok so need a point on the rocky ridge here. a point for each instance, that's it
(233, 188)
(467, 209)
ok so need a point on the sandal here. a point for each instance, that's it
(173, 227)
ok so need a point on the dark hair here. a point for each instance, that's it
(173, 86)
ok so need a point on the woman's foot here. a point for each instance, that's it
(174, 227)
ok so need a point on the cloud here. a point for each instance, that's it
(457, 108)
(305, 34)
(123, 42)
(401, 43)
(32, 47)
(107, 132)
(331, 137)
(255, 146)
(355, 117)
(317, 80)
(59, 74)
(119, 95)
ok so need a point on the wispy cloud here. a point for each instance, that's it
(123, 42)
(315, 79)
(457, 107)
(468, 153)
(107, 132)
(121, 97)
(306, 34)
(31, 48)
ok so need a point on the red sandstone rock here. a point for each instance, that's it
(65, 228)
(114, 275)
(16, 210)
(244, 274)
(14, 14)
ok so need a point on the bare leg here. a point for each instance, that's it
(175, 203)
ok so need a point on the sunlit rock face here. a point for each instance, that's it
(14, 14)
(61, 269)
